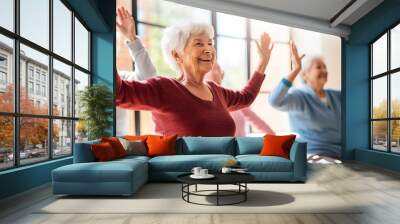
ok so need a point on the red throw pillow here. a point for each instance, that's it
(103, 151)
(161, 145)
(277, 145)
(116, 145)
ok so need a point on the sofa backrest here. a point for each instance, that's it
(206, 145)
(83, 152)
(249, 145)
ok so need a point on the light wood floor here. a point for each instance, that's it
(378, 188)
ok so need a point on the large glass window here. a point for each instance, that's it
(62, 77)
(81, 45)
(35, 21)
(44, 77)
(7, 75)
(6, 142)
(41, 65)
(7, 14)
(62, 29)
(395, 47)
(385, 96)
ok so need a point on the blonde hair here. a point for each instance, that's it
(175, 38)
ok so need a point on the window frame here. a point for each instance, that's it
(388, 74)
(16, 114)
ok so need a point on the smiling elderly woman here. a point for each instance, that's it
(190, 106)
(314, 112)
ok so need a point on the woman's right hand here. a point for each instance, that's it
(296, 59)
(296, 62)
(126, 24)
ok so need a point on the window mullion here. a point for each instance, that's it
(73, 81)
(389, 113)
(371, 141)
(50, 81)
(16, 84)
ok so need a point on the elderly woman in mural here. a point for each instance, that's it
(190, 106)
(145, 69)
(314, 112)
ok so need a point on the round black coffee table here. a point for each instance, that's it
(238, 179)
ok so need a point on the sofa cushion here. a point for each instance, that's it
(103, 152)
(95, 172)
(185, 163)
(134, 147)
(206, 145)
(257, 163)
(116, 145)
(277, 145)
(249, 145)
(161, 145)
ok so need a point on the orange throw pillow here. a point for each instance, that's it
(116, 145)
(103, 152)
(277, 145)
(161, 145)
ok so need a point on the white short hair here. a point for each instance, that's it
(307, 62)
(175, 38)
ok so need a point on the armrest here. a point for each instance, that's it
(83, 152)
(298, 155)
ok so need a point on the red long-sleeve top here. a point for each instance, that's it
(176, 110)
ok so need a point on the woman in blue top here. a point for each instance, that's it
(314, 112)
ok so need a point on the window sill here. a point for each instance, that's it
(25, 167)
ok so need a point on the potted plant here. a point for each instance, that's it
(96, 104)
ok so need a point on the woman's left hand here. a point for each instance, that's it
(265, 47)
(126, 24)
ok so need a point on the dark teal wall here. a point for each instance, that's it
(356, 84)
(103, 52)
(24, 178)
(103, 62)
(99, 16)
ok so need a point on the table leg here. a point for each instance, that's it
(196, 188)
(217, 194)
(245, 193)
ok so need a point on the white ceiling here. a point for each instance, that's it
(320, 9)
(316, 15)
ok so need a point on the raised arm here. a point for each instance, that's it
(144, 66)
(280, 97)
(236, 100)
(136, 95)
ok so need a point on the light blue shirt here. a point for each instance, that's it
(316, 123)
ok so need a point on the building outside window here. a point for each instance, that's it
(30, 72)
(3, 72)
(30, 87)
(3, 78)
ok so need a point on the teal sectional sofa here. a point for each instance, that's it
(125, 176)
